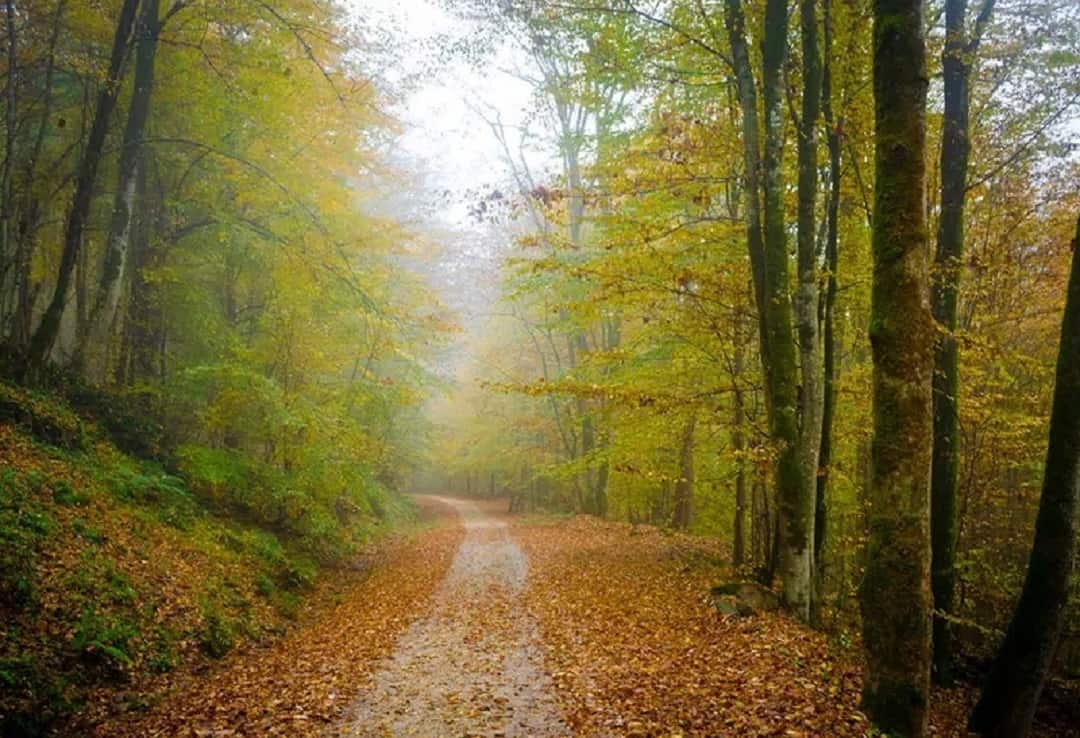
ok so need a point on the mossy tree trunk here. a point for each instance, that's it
(794, 492)
(767, 243)
(735, 22)
(895, 594)
(956, 68)
(1006, 707)
(828, 312)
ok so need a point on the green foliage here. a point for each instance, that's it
(104, 638)
(163, 656)
(42, 416)
(130, 417)
(287, 603)
(240, 514)
(65, 495)
(25, 525)
(299, 504)
(218, 634)
(88, 531)
(265, 586)
(44, 697)
(166, 495)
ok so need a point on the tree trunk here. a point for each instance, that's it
(145, 329)
(735, 20)
(117, 245)
(806, 300)
(795, 505)
(767, 245)
(659, 512)
(45, 336)
(828, 314)
(30, 219)
(684, 485)
(7, 206)
(1006, 707)
(895, 592)
(956, 68)
(738, 446)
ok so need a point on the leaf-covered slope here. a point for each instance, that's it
(114, 573)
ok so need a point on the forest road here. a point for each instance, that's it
(473, 666)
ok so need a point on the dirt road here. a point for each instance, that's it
(473, 666)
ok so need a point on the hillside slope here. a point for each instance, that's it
(115, 572)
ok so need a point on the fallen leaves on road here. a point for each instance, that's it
(633, 644)
(474, 666)
(636, 648)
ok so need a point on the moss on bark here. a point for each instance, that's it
(895, 594)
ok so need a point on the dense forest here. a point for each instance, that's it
(772, 306)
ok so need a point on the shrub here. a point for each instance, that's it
(42, 417)
(286, 603)
(299, 573)
(104, 638)
(218, 635)
(65, 495)
(265, 586)
(129, 417)
(167, 495)
(87, 531)
(163, 656)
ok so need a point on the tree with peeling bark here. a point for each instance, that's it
(895, 594)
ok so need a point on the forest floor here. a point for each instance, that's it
(503, 626)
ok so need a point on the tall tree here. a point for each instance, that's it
(895, 593)
(44, 337)
(1006, 707)
(122, 221)
(31, 210)
(767, 244)
(828, 306)
(6, 199)
(806, 299)
(955, 146)
(794, 490)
